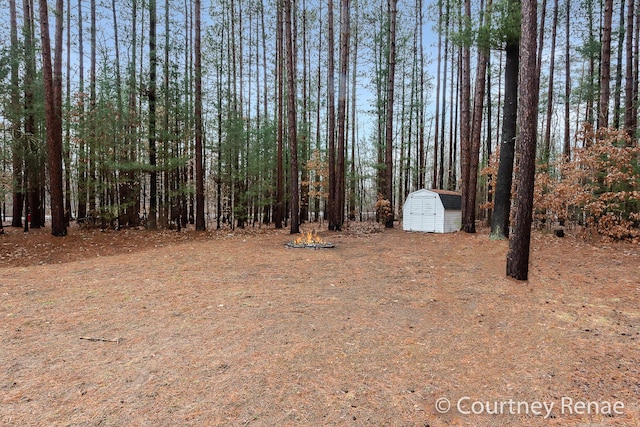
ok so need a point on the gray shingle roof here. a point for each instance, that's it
(451, 202)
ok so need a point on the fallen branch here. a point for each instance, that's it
(117, 340)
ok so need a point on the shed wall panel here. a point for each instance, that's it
(452, 221)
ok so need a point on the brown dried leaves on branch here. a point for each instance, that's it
(597, 188)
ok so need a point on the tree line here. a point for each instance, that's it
(168, 115)
(252, 112)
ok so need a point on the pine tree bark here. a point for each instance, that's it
(528, 94)
(165, 199)
(636, 71)
(353, 181)
(306, 119)
(151, 97)
(443, 124)
(17, 151)
(469, 221)
(292, 120)
(434, 181)
(67, 125)
(331, 113)
(119, 155)
(130, 188)
(34, 168)
(279, 206)
(469, 218)
(618, 85)
(543, 22)
(566, 151)
(220, 131)
(82, 157)
(552, 60)
(454, 109)
(388, 157)
(629, 96)
(342, 112)
(316, 200)
(200, 222)
(591, 73)
(422, 158)
(92, 177)
(465, 124)
(605, 66)
(52, 77)
(502, 201)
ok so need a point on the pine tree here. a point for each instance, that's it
(605, 66)
(200, 222)
(528, 93)
(17, 151)
(151, 97)
(52, 76)
(502, 201)
(292, 119)
(388, 155)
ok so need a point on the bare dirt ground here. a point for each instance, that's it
(165, 329)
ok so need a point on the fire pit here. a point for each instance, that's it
(310, 240)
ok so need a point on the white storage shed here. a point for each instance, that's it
(432, 211)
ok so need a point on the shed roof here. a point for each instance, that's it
(450, 199)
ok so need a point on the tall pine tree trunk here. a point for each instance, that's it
(119, 155)
(566, 151)
(33, 167)
(292, 119)
(130, 189)
(528, 93)
(342, 112)
(52, 77)
(200, 222)
(352, 175)
(219, 130)
(306, 119)
(388, 155)
(422, 158)
(441, 130)
(434, 182)
(591, 73)
(165, 200)
(618, 89)
(502, 201)
(17, 150)
(605, 66)
(151, 97)
(469, 222)
(82, 146)
(67, 125)
(629, 95)
(465, 124)
(317, 198)
(636, 72)
(279, 206)
(456, 76)
(552, 60)
(331, 112)
(469, 216)
(92, 145)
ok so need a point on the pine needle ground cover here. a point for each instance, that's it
(137, 328)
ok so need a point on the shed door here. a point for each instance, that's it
(424, 213)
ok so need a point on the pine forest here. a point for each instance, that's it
(250, 113)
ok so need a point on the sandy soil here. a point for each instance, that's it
(220, 328)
